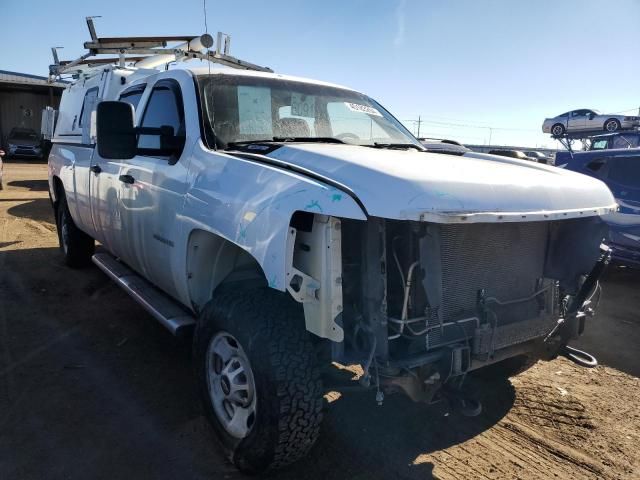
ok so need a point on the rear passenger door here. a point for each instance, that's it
(81, 161)
(152, 187)
(105, 191)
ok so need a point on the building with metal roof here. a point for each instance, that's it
(22, 99)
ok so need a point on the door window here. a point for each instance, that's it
(133, 96)
(601, 144)
(625, 141)
(163, 109)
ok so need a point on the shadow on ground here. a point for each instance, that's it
(39, 210)
(609, 334)
(32, 185)
(92, 387)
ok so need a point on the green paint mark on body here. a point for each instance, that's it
(314, 204)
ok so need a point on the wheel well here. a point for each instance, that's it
(213, 261)
(609, 119)
(58, 190)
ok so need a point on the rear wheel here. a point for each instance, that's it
(258, 377)
(77, 247)
(557, 130)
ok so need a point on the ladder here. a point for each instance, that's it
(148, 52)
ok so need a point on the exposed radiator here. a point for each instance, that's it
(504, 259)
(501, 260)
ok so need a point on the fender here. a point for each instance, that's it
(251, 203)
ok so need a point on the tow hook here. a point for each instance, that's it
(579, 357)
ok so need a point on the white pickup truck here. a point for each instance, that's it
(293, 222)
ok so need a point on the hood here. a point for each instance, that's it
(413, 185)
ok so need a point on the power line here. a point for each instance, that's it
(636, 109)
(467, 125)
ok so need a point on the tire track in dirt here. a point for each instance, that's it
(540, 438)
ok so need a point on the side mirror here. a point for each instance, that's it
(169, 142)
(116, 135)
(591, 115)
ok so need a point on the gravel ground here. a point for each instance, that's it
(92, 387)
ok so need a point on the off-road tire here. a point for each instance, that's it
(270, 328)
(77, 247)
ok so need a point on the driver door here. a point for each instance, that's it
(591, 121)
(577, 120)
(152, 187)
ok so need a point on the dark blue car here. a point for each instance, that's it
(620, 170)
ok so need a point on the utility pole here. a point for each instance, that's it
(490, 134)
(419, 121)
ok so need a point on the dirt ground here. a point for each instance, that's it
(92, 387)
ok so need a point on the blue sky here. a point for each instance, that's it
(463, 66)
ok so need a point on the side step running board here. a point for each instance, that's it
(167, 311)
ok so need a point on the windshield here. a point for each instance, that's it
(23, 135)
(242, 109)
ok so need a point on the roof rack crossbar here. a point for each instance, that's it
(150, 52)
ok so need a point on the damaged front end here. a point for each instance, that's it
(425, 303)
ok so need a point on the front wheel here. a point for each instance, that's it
(612, 125)
(258, 377)
(77, 247)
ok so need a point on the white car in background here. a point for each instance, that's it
(584, 120)
(538, 156)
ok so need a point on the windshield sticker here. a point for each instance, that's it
(254, 110)
(303, 105)
(355, 107)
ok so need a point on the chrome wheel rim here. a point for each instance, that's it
(557, 130)
(611, 126)
(231, 385)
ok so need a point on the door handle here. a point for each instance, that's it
(127, 179)
(95, 169)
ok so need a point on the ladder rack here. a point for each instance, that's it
(148, 52)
